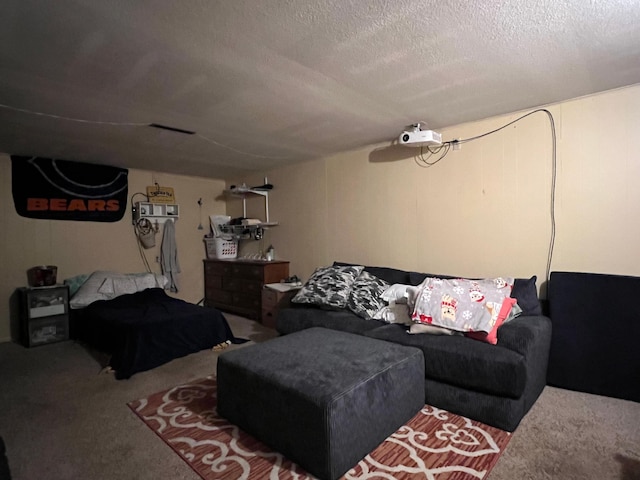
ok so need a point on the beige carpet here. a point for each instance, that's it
(62, 420)
(434, 444)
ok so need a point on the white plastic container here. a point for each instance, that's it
(221, 248)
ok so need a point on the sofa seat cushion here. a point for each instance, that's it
(463, 362)
(294, 319)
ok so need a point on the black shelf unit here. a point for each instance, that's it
(44, 315)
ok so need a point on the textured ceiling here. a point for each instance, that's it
(266, 83)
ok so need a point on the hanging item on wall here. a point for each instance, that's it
(158, 194)
(146, 233)
(54, 189)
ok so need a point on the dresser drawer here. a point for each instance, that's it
(220, 296)
(268, 318)
(248, 271)
(273, 298)
(235, 284)
(213, 281)
(269, 298)
(272, 302)
(247, 300)
(217, 268)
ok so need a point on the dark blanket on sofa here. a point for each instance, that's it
(596, 326)
(146, 329)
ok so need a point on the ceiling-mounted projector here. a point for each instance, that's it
(420, 138)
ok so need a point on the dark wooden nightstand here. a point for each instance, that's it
(44, 314)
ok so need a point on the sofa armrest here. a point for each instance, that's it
(525, 333)
(531, 337)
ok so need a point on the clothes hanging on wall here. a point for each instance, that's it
(169, 255)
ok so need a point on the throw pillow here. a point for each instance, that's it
(394, 313)
(396, 293)
(525, 292)
(328, 287)
(492, 336)
(366, 295)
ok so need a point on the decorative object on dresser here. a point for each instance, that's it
(236, 286)
(44, 314)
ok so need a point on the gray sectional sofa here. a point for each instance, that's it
(494, 384)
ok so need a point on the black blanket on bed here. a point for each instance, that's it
(149, 328)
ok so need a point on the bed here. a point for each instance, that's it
(131, 318)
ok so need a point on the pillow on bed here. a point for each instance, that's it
(149, 280)
(89, 291)
(118, 285)
(75, 283)
(121, 284)
(104, 285)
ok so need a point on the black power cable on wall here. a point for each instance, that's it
(443, 150)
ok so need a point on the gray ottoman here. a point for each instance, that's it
(323, 398)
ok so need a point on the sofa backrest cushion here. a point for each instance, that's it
(390, 275)
(524, 290)
(526, 294)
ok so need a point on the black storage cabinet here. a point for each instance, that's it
(44, 314)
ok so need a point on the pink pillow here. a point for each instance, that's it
(492, 336)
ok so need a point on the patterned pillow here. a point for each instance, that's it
(366, 295)
(328, 287)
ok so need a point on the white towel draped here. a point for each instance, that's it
(169, 255)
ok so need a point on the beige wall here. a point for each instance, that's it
(484, 210)
(82, 247)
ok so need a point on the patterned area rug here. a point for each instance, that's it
(433, 445)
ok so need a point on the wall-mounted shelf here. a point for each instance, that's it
(156, 213)
(244, 193)
(248, 231)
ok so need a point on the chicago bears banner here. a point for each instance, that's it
(63, 190)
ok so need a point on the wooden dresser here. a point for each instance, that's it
(236, 285)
